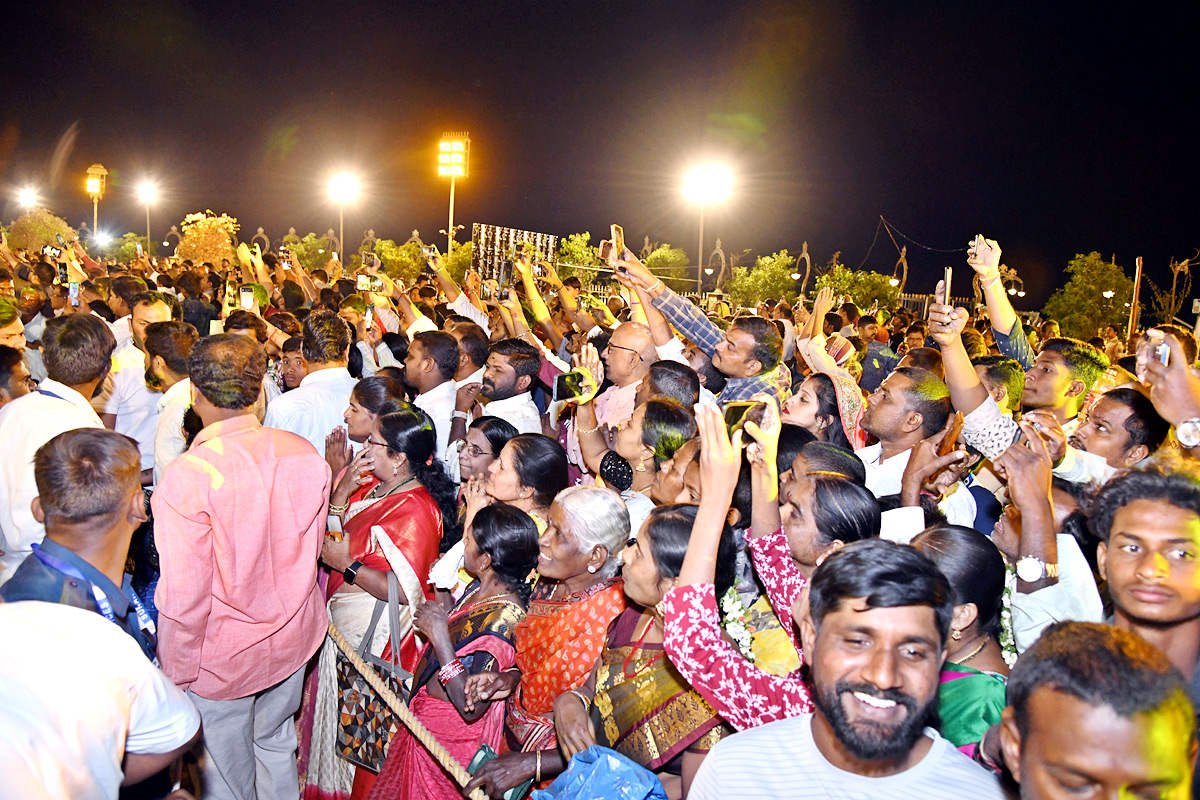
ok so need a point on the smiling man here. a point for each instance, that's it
(1096, 712)
(1062, 375)
(875, 640)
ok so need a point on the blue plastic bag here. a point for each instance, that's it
(602, 774)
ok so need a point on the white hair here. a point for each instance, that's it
(596, 517)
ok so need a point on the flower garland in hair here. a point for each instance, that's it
(1008, 645)
(736, 622)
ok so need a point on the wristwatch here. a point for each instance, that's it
(1031, 570)
(1187, 433)
(351, 572)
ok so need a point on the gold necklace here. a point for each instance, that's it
(489, 597)
(371, 495)
(974, 653)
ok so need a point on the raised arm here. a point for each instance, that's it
(946, 325)
(983, 255)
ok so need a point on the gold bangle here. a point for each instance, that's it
(587, 704)
(339, 509)
(590, 430)
(537, 778)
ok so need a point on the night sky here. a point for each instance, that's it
(1053, 128)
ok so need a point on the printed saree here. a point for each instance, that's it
(969, 702)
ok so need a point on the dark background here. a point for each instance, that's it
(1054, 130)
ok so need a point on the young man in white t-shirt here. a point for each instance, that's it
(875, 641)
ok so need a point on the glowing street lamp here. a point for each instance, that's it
(704, 186)
(454, 157)
(28, 197)
(343, 189)
(96, 174)
(147, 194)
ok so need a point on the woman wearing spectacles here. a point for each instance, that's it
(486, 437)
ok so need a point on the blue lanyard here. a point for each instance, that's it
(143, 618)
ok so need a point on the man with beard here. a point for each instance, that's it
(511, 368)
(1094, 711)
(910, 405)
(875, 641)
(132, 407)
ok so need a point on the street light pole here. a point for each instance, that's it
(342, 228)
(700, 255)
(450, 225)
(706, 185)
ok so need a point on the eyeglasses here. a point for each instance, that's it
(475, 451)
(630, 349)
(375, 442)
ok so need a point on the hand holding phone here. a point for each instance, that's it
(247, 297)
(738, 413)
(618, 241)
(946, 286)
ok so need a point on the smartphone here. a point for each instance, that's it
(505, 277)
(568, 386)
(980, 244)
(247, 297)
(52, 251)
(138, 246)
(430, 250)
(485, 291)
(61, 242)
(333, 527)
(504, 294)
(368, 283)
(946, 286)
(605, 251)
(287, 263)
(538, 270)
(1162, 351)
(369, 318)
(737, 414)
(335, 258)
(950, 440)
(63, 275)
(618, 241)
(73, 294)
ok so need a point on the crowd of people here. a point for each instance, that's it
(802, 550)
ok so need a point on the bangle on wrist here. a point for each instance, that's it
(339, 509)
(537, 772)
(589, 430)
(587, 704)
(990, 281)
(450, 672)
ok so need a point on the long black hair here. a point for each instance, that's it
(670, 529)
(410, 431)
(541, 464)
(974, 567)
(510, 537)
(497, 431)
(827, 406)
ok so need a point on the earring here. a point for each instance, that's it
(641, 467)
(955, 634)
(591, 568)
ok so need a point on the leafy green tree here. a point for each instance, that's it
(309, 251)
(400, 262)
(864, 288)
(575, 253)
(207, 237)
(35, 229)
(769, 279)
(124, 249)
(1080, 307)
(671, 265)
(458, 261)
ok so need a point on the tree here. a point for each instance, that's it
(35, 229)
(671, 265)
(400, 262)
(1080, 307)
(575, 253)
(863, 288)
(124, 249)
(310, 252)
(458, 261)
(207, 237)
(1167, 305)
(769, 279)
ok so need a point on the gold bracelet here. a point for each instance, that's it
(339, 509)
(590, 430)
(984, 284)
(537, 778)
(587, 704)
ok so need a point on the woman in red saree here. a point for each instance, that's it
(500, 549)
(396, 508)
(577, 595)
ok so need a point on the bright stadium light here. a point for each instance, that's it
(147, 194)
(343, 189)
(28, 197)
(706, 185)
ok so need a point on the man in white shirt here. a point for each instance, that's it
(120, 300)
(429, 369)
(315, 407)
(875, 643)
(910, 405)
(132, 406)
(512, 367)
(77, 349)
(82, 711)
(168, 346)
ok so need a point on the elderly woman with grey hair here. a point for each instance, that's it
(578, 594)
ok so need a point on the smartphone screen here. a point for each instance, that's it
(138, 245)
(736, 414)
(61, 241)
(568, 386)
(505, 277)
(605, 249)
(369, 318)
(485, 291)
(247, 297)
(335, 258)
(63, 275)
(73, 294)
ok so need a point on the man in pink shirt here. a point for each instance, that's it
(239, 520)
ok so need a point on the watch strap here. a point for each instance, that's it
(351, 572)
